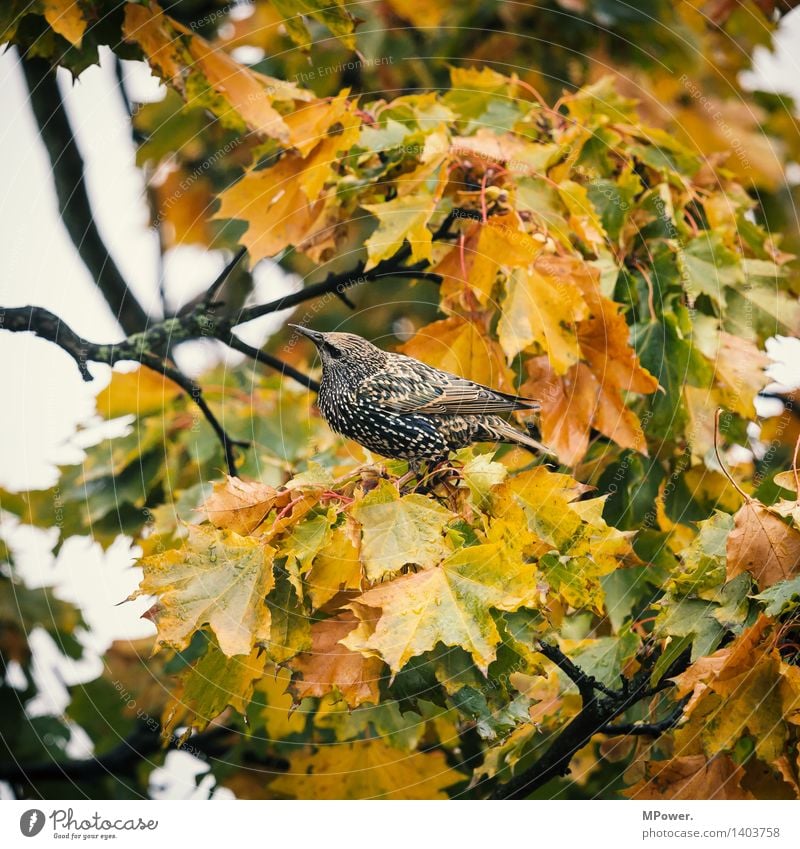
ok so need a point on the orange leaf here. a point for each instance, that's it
(690, 777)
(66, 18)
(331, 667)
(588, 395)
(762, 544)
(459, 346)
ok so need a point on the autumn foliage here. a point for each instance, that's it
(347, 636)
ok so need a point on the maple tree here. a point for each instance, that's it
(615, 244)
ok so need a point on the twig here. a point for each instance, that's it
(242, 347)
(73, 200)
(196, 394)
(337, 284)
(647, 729)
(722, 465)
(213, 290)
(586, 684)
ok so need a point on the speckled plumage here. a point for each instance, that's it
(399, 407)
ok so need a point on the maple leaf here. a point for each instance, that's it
(449, 603)
(743, 688)
(181, 56)
(211, 685)
(367, 769)
(397, 530)
(401, 219)
(690, 777)
(337, 566)
(762, 544)
(474, 265)
(543, 310)
(332, 13)
(331, 667)
(577, 544)
(217, 578)
(241, 505)
(458, 346)
(277, 210)
(66, 18)
(589, 394)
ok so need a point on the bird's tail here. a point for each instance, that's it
(501, 430)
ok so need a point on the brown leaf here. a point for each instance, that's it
(763, 545)
(331, 667)
(241, 505)
(690, 777)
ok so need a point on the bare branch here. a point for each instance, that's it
(73, 200)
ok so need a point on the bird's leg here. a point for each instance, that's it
(413, 471)
(435, 473)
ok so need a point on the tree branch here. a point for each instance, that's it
(649, 729)
(337, 284)
(73, 200)
(137, 348)
(595, 717)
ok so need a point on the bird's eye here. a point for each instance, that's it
(333, 352)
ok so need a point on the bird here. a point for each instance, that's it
(401, 408)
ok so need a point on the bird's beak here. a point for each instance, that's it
(313, 335)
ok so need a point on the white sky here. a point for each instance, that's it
(44, 396)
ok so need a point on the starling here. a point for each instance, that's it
(399, 407)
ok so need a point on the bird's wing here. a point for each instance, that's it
(408, 386)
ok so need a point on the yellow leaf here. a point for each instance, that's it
(421, 15)
(66, 18)
(276, 209)
(309, 123)
(210, 686)
(281, 718)
(582, 215)
(337, 567)
(588, 395)
(401, 219)
(449, 603)
(545, 310)
(487, 247)
(367, 769)
(139, 392)
(323, 160)
(399, 530)
(217, 578)
(331, 667)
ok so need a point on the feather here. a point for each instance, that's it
(422, 389)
